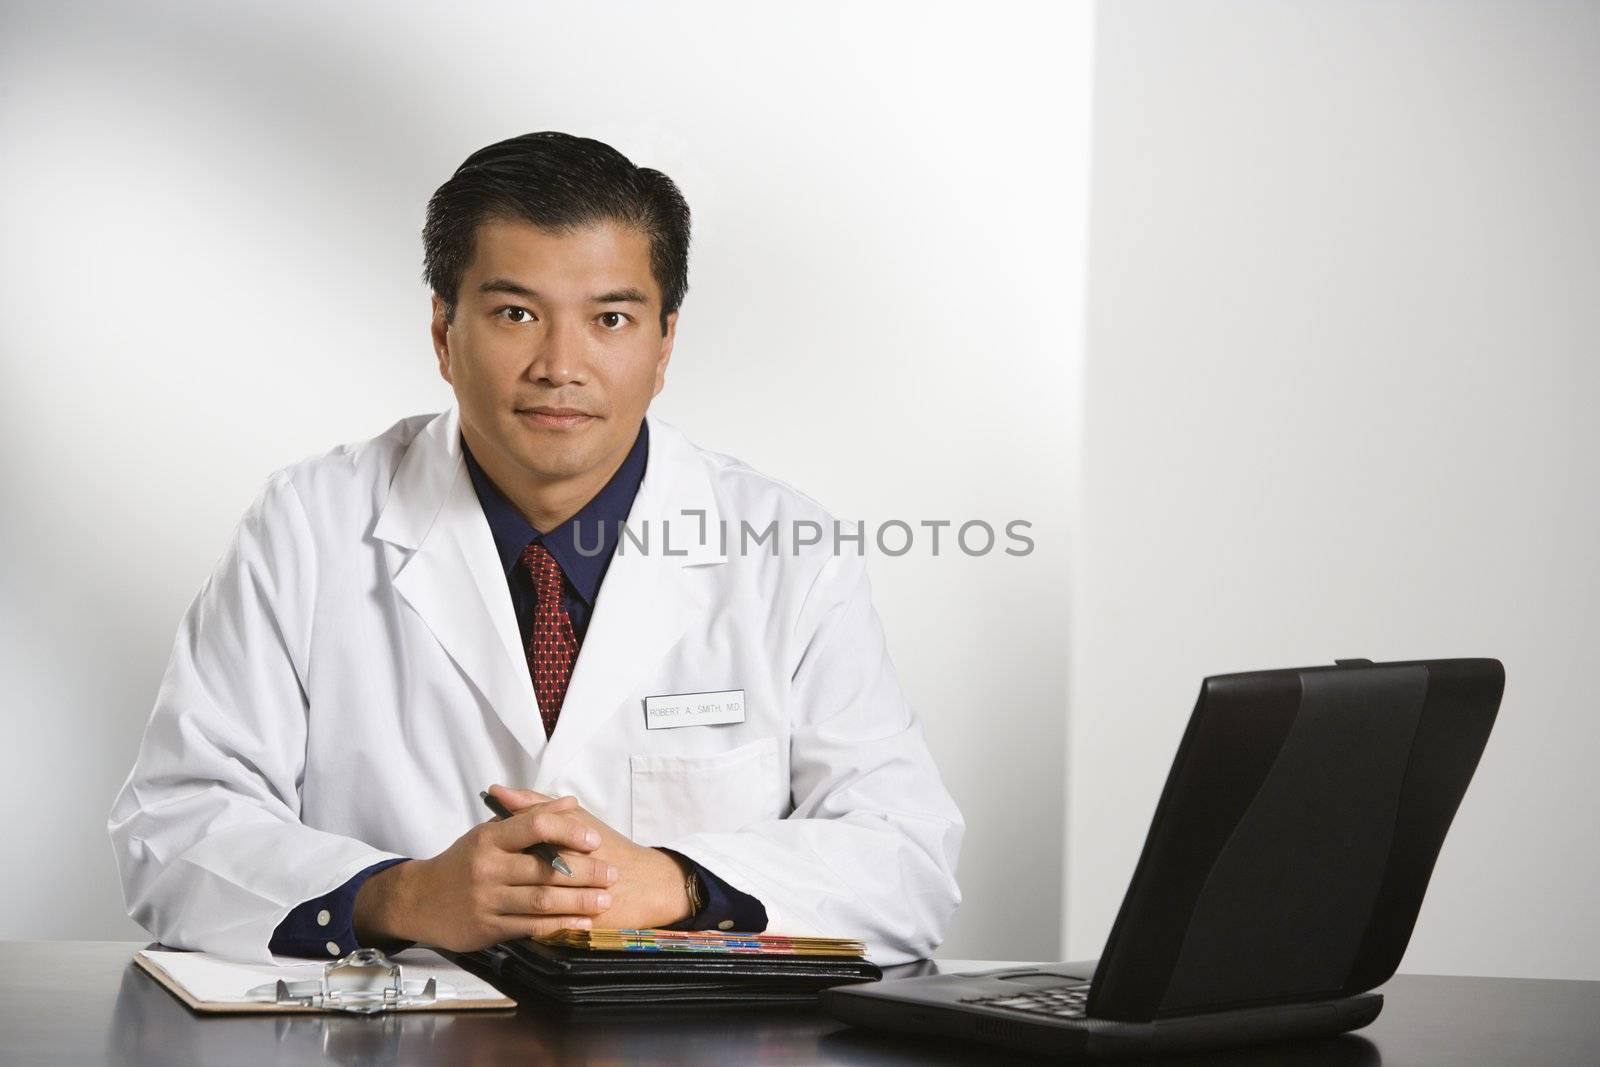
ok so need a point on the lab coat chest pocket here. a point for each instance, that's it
(678, 795)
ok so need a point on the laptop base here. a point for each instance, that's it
(940, 1005)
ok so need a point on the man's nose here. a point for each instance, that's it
(559, 354)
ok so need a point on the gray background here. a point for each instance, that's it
(1344, 301)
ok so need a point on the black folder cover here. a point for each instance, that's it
(586, 977)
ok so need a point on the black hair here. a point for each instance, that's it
(558, 182)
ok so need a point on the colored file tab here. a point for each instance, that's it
(704, 941)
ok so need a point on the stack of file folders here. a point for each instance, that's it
(676, 968)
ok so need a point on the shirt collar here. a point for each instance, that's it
(596, 523)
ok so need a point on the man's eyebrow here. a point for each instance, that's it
(505, 285)
(629, 295)
(626, 295)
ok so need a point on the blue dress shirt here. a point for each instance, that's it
(583, 546)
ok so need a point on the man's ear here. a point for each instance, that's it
(440, 330)
(666, 353)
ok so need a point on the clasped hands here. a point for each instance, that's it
(483, 889)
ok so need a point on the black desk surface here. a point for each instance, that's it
(83, 1002)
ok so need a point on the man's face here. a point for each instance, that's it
(547, 324)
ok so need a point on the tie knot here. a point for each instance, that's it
(545, 571)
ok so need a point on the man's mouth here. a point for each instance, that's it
(555, 418)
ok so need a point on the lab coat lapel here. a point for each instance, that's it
(647, 598)
(452, 578)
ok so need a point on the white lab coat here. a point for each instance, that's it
(351, 675)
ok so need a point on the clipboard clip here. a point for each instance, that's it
(364, 983)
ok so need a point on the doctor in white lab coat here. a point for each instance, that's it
(352, 673)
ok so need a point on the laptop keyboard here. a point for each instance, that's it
(1060, 1001)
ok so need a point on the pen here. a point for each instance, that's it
(544, 850)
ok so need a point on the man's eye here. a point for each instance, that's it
(515, 314)
(613, 320)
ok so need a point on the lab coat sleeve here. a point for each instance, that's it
(206, 829)
(870, 848)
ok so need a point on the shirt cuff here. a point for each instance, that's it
(725, 907)
(325, 926)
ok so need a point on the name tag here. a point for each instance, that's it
(694, 709)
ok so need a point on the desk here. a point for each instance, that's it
(87, 1004)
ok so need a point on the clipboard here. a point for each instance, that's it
(365, 982)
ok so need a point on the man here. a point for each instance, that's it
(398, 624)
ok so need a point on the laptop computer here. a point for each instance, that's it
(1279, 882)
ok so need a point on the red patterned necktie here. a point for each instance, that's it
(552, 647)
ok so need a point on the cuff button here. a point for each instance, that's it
(725, 924)
(333, 948)
(324, 917)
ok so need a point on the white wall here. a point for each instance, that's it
(210, 269)
(1344, 302)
